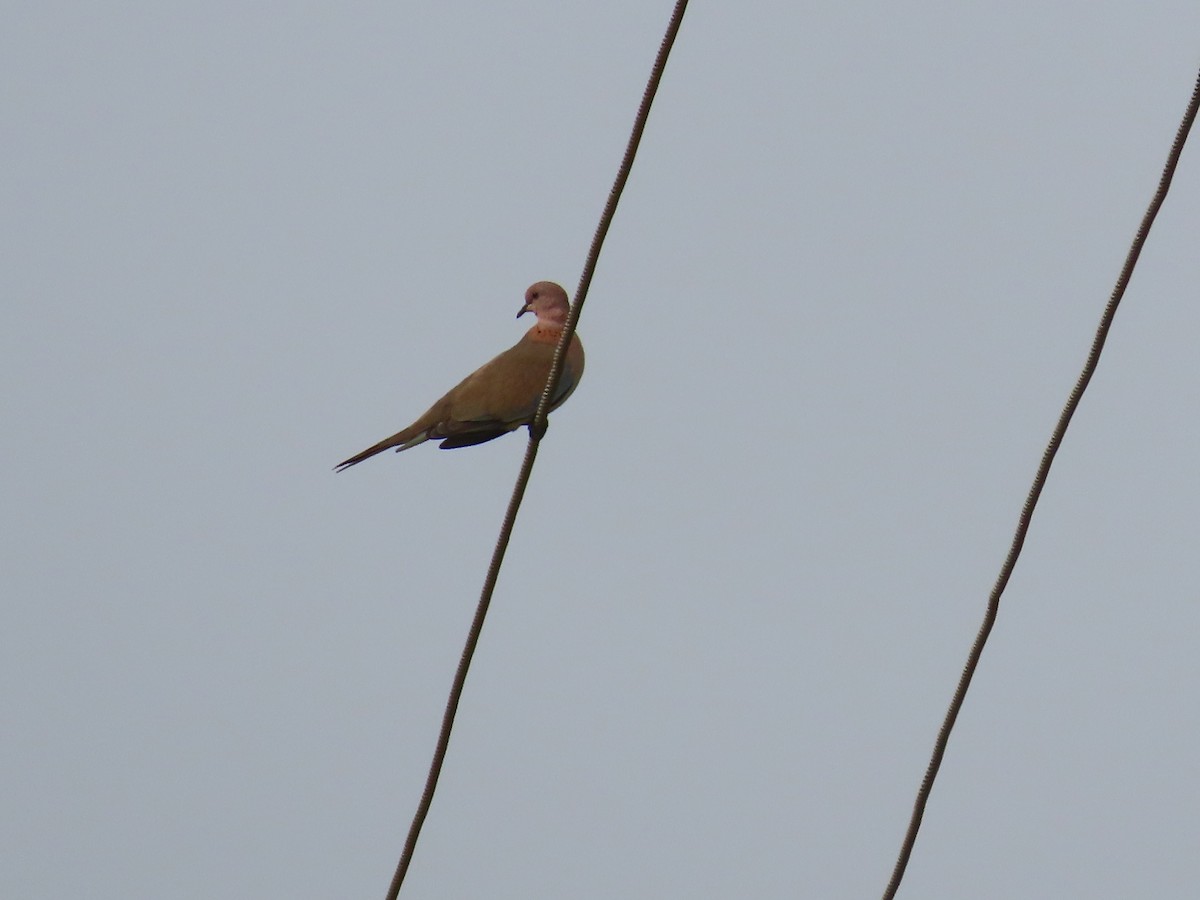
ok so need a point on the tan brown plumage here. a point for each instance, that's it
(502, 395)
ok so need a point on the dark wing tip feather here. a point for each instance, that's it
(471, 438)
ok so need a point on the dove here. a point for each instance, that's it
(501, 395)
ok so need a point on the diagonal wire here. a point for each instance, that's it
(537, 430)
(1035, 491)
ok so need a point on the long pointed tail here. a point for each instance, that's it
(402, 439)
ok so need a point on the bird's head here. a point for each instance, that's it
(548, 301)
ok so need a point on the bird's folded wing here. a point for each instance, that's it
(506, 390)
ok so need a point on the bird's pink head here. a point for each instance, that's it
(548, 301)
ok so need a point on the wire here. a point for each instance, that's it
(1035, 492)
(537, 430)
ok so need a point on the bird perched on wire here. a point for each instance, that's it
(503, 394)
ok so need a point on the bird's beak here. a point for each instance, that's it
(524, 309)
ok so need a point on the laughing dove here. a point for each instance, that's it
(502, 395)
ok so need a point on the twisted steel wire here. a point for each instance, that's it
(1035, 492)
(537, 430)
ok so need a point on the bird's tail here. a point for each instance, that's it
(402, 440)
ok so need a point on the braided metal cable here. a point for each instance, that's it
(537, 430)
(1035, 492)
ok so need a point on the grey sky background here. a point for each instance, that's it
(853, 277)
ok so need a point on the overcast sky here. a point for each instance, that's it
(852, 280)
